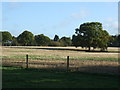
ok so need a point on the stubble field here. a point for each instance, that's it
(56, 57)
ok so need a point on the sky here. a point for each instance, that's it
(57, 18)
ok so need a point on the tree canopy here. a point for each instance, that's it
(6, 36)
(90, 35)
(26, 38)
(114, 41)
(42, 40)
(56, 38)
(65, 41)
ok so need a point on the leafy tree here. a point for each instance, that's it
(76, 41)
(14, 41)
(54, 43)
(114, 41)
(6, 38)
(111, 40)
(26, 38)
(65, 41)
(91, 35)
(119, 40)
(103, 40)
(42, 40)
(56, 38)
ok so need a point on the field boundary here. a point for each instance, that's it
(95, 66)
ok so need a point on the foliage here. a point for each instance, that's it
(76, 40)
(91, 35)
(56, 38)
(103, 40)
(42, 40)
(14, 41)
(87, 35)
(114, 41)
(54, 43)
(118, 40)
(6, 38)
(65, 41)
(26, 38)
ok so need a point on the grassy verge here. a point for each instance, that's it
(15, 77)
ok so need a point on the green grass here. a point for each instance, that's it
(14, 56)
(12, 51)
(21, 51)
(95, 58)
(15, 77)
(43, 57)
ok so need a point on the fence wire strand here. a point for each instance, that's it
(98, 66)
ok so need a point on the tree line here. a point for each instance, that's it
(90, 34)
(27, 38)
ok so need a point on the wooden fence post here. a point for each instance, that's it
(67, 63)
(27, 61)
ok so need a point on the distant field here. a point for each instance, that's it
(52, 57)
(58, 51)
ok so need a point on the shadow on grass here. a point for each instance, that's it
(108, 70)
(66, 49)
(15, 77)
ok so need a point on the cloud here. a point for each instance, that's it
(115, 24)
(83, 12)
(14, 5)
(109, 19)
(70, 19)
(62, 24)
(111, 24)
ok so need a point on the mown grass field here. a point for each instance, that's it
(15, 77)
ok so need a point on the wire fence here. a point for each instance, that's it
(65, 63)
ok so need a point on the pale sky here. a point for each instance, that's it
(61, 18)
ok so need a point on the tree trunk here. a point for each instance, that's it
(89, 48)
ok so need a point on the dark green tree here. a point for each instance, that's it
(76, 41)
(119, 40)
(6, 38)
(26, 38)
(42, 40)
(114, 41)
(55, 43)
(56, 38)
(14, 41)
(65, 41)
(90, 35)
(103, 40)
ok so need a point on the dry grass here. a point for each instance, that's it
(48, 51)
(62, 52)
